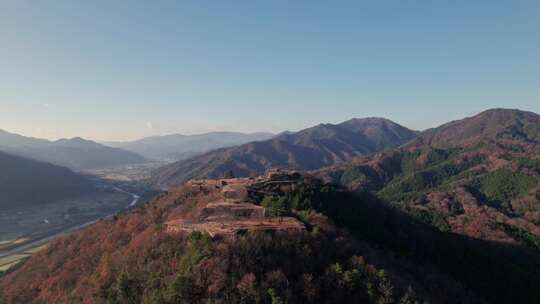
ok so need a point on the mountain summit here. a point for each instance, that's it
(177, 147)
(311, 148)
(488, 125)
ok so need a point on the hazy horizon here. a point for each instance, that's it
(232, 131)
(73, 68)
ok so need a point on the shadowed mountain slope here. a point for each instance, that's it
(75, 153)
(25, 182)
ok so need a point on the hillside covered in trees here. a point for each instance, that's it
(354, 248)
(49, 183)
(441, 219)
(478, 177)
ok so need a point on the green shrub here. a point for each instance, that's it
(438, 156)
(276, 205)
(228, 174)
(274, 296)
(529, 163)
(197, 248)
(533, 132)
(350, 175)
(409, 161)
(431, 217)
(522, 235)
(501, 186)
(412, 185)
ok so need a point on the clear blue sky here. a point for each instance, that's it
(112, 70)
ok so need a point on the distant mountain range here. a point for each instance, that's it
(312, 148)
(75, 153)
(26, 182)
(177, 147)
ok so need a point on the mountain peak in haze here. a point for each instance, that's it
(77, 142)
(8, 139)
(178, 146)
(368, 120)
(75, 153)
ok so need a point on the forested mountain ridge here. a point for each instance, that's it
(492, 124)
(177, 147)
(449, 217)
(478, 177)
(27, 182)
(75, 153)
(134, 258)
(355, 248)
(308, 149)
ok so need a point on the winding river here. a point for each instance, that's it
(38, 242)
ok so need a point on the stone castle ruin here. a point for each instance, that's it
(235, 211)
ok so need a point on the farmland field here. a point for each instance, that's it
(26, 222)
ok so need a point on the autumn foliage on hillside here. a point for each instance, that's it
(470, 191)
(131, 259)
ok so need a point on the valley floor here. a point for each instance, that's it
(26, 230)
